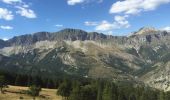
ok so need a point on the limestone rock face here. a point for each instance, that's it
(143, 56)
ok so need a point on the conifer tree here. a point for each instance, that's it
(64, 89)
(99, 90)
(75, 94)
(161, 95)
(34, 91)
(108, 92)
(3, 83)
(17, 80)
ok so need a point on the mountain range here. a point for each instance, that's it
(141, 57)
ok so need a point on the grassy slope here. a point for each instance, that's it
(11, 94)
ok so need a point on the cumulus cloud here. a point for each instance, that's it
(136, 6)
(26, 12)
(73, 2)
(119, 22)
(16, 3)
(126, 8)
(22, 8)
(166, 29)
(6, 27)
(11, 1)
(88, 23)
(105, 26)
(6, 14)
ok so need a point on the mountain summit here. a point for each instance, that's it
(146, 31)
(144, 56)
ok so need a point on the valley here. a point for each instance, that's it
(140, 57)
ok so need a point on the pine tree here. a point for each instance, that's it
(3, 83)
(34, 91)
(145, 95)
(132, 97)
(167, 95)
(17, 80)
(88, 92)
(122, 95)
(75, 94)
(161, 95)
(100, 90)
(50, 83)
(64, 89)
(108, 92)
(28, 81)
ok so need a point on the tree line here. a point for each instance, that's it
(108, 90)
(78, 88)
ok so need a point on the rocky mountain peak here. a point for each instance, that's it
(146, 31)
(103, 56)
(70, 30)
(77, 34)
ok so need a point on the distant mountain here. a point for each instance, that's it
(76, 34)
(3, 43)
(29, 38)
(143, 56)
(146, 31)
(66, 34)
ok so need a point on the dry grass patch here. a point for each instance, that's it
(16, 92)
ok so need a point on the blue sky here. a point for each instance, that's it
(114, 17)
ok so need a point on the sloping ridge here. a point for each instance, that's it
(89, 54)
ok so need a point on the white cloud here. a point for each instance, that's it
(16, 3)
(26, 12)
(166, 29)
(105, 26)
(119, 22)
(21, 7)
(73, 2)
(136, 6)
(132, 7)
(6, 14)
(88, 23)
(6, 27)
(59, 25)
(5, 39)
(25, 5)
(11, 1)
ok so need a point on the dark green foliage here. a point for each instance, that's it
(34, 91)
(72, 88)
(99, 90)
(64, 89)
(17, 80)
(161, 95)
(148, 53)
(110, 91)
(121, 95)
(132, 97)
(3, 83)
(132, 51)
(167, 95)
(106, 90)
(88, 92)
(75, 93)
